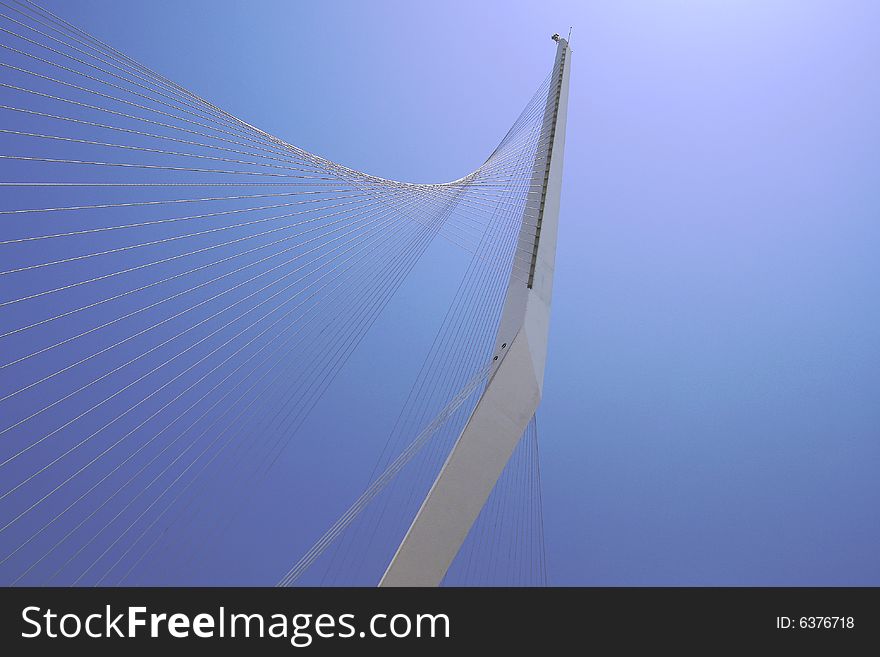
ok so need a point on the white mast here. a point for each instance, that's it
(514, 389)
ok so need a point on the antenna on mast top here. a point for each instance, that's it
(556, 36)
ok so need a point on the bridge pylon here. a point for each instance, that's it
(514, 389)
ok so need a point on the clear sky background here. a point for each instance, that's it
(711, 405)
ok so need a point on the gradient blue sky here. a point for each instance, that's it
(711, 405)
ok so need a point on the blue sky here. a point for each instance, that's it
(710, 412)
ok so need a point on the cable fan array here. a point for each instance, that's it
(178, 290)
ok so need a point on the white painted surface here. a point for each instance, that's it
(509, 400)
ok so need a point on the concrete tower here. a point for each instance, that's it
(513, 391)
